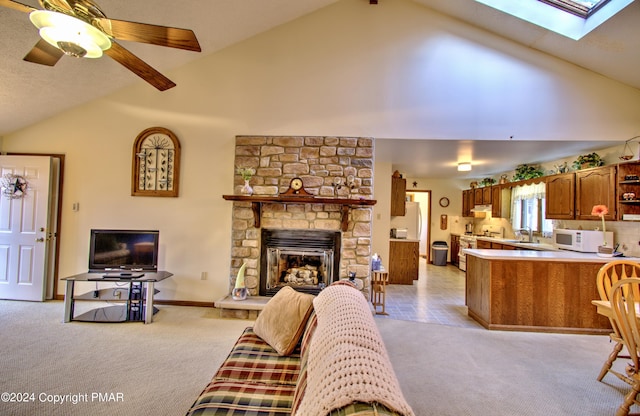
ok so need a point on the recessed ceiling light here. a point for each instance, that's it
(464, 167)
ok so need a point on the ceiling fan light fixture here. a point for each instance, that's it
(69, 34)
(464, 166)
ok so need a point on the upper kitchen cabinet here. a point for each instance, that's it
(628, 179)
(467, 203)
(500, 201)
(560, 196)
(482, 196)
(596, 186)
(398, 195)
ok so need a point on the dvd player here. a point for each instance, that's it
(122, 275)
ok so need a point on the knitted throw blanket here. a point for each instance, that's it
(348, 361)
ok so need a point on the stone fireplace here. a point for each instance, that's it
(334, 169)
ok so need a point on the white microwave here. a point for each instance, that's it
(585, 241)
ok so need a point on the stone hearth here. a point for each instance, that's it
(330, 167)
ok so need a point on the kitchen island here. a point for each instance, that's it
(537, 291)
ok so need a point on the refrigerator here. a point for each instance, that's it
(412, 221)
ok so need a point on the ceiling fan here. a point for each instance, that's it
(79, 28)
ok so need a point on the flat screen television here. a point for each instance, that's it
(123, 250)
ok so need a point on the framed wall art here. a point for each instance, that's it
(156, 163)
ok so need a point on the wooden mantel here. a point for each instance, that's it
(257, 201)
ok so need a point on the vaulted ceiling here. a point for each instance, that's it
(30, 93)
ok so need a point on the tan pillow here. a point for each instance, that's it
(282, 321)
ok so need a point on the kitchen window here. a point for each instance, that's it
(528, 209)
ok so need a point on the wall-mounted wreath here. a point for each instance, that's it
(13, 186)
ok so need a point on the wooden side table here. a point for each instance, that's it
(379, 279)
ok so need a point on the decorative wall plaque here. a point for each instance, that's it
(156, 163)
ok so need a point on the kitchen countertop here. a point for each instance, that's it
(537, 255)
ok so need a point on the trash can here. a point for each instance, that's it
(439, 250)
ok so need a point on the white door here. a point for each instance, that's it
(24, 226)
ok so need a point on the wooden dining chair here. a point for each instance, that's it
(607, 276)
(625, 303)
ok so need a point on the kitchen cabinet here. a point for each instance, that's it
(482, 196)
(477, 196)
(500, 201)
(403, 262)
(560, 196)
(628, 197)
(398, 196)
(499, 197)
(467, 202)
(596, 186)
(486, 195)
(455, 248)
(483, 244)
(497, 246)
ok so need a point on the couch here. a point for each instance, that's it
(307, 356)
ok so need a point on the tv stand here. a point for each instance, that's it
(132, 302)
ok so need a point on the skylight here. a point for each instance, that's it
(571, 18)
(579, 8)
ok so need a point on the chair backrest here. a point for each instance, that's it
(612, 272)
(625, 303)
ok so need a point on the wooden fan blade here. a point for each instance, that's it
(139, 67)
(44, 54)
(156, 35)
(16, 6)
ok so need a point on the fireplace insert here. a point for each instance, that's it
(306, 260)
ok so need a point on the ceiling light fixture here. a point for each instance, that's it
(464, 167)
(69, 34)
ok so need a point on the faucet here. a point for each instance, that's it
(529, 233)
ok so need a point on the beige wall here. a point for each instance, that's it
(396, 70)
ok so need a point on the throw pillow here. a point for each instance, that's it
(283, 319)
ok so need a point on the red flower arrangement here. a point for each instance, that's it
(601, 211)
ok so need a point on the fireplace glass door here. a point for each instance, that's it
(304, 270)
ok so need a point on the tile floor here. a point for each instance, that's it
(436, 297)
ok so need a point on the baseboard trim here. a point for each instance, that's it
(183, 303)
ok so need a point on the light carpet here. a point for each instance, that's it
(160, 369)
(156, 369)
(445, 370)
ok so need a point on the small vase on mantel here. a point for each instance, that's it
(246, 188)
